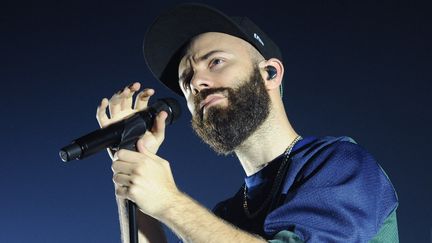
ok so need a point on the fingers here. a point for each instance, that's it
(122, 177)
(127, 95)
(158, 128)
(134, 157)
(122, 180)
(126, 192)
(121, 191)
(143, 98)
(115, 104)
(121, 167)
(101, 115)
(122, 100)
(125, 173)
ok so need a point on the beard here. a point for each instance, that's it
(226, 128)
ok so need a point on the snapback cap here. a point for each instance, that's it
(172, 30)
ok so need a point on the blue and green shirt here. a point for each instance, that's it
(333, 191)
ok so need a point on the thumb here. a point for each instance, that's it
(144, 150)
(142, 147)
(158, 129)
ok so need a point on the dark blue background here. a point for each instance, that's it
(361, 70)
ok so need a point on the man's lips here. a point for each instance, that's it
(211, 99)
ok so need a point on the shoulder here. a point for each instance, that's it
(333, 176)
(332, 159)
(341, 162)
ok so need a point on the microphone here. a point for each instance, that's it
(123, 134)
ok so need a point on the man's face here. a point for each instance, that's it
(224, 90)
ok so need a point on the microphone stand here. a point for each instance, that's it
(133, 228)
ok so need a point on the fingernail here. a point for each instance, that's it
(130, 86)
(148, 90)
(163, 115)
(143, 94)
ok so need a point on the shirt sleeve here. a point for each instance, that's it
(286, 236)
(335, 193)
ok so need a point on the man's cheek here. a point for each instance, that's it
(191, 107)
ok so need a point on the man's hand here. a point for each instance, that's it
(145, 179)
(120, 106)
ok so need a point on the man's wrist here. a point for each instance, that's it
(193, 222)
(177, 201)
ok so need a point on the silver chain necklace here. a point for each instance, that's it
(275, 186)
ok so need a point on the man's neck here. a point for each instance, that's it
(270, 140)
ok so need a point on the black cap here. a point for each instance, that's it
(173, 29)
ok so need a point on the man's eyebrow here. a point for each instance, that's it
(200, 59)
(209, 54)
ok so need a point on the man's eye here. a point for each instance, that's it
(215, 62)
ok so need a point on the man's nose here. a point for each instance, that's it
(200, 81)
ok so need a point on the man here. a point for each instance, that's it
(296, 190)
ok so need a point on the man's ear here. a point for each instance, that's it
(272, 71)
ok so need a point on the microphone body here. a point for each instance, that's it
(122, 134)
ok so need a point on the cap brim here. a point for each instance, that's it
(172, 30)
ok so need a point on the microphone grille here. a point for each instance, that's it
(174, 110)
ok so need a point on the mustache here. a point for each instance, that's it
(202, 95)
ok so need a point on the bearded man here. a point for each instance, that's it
(296, 189)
